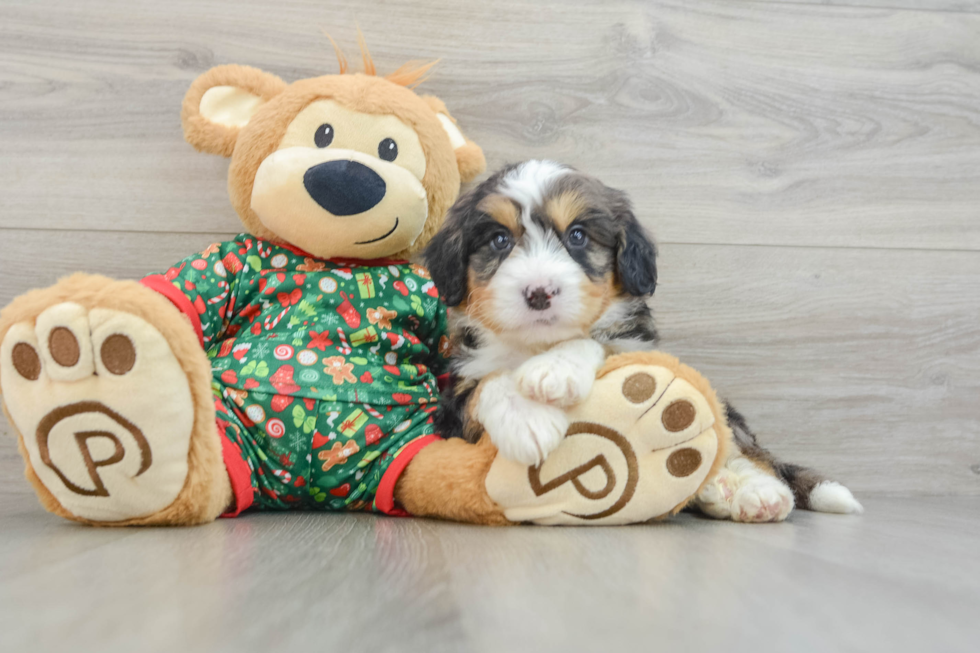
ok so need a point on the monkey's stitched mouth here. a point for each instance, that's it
(368, 242)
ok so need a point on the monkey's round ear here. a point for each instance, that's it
(469, 156)
(221, 101)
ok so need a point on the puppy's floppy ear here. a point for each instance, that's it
(221, 101)
(447, 255)
(469, 156)
(636, 255)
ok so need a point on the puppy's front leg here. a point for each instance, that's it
(563, 375)
(521, 428)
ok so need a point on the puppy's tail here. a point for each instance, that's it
(811, 489)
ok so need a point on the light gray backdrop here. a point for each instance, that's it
(812, 175)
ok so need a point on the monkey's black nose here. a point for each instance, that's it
(538, 299)
(344, 187)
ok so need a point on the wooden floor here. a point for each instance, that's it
(903, 577)
(811, 171)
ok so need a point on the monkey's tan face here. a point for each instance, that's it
(344, 183)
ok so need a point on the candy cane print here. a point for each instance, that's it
(220, 298)
(271, 325)
(344, 347)
(372, 411)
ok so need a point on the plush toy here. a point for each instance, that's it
(296, 365)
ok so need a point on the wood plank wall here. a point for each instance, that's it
(811, 172)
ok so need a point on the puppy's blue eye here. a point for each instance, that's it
(500, 242)
(577, 237)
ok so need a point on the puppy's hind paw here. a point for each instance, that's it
(762, 499)
(715, 496)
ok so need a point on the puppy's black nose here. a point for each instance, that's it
(344, 187)
(538, 299)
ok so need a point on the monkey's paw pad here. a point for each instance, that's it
(104, 409)
(638, 447)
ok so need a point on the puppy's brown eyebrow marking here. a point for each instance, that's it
(564, 208)
(503, 210)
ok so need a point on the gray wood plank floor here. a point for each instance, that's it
(903, 577)
(812, 173)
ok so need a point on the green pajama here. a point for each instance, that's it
(324, 372)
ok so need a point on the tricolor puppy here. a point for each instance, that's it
(548, 271)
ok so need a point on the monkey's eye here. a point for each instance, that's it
(500, 242)
(577, 237)
(388, 150)
(324, 135)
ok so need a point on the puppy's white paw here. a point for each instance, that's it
(761, 499)
(554, 381)
(715, 496)
(831, 496)
(745, 492)
(522, 430)
(562, 376)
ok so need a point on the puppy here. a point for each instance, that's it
(547, 271)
